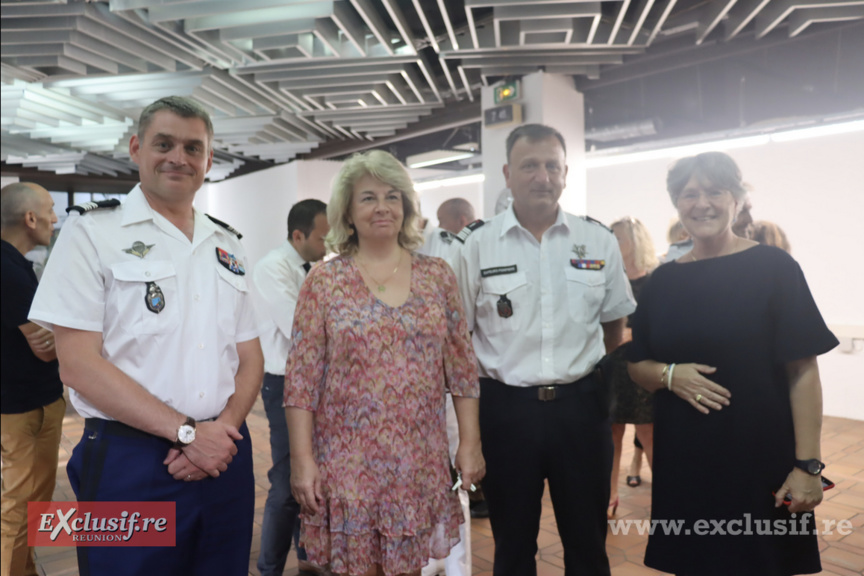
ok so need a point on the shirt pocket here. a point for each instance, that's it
(129, 295)
(515, 288)
(585, 291)
(231, 289)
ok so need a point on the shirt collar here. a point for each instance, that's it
(510, 220)
(291, 255)
(136, 209)
(13, 253)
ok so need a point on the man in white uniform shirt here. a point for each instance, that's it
(545, 293)
(155, 333)
(453, 215)
(277, 280)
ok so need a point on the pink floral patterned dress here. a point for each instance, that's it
(375, 376)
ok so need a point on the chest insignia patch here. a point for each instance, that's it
(579, 250)
(139, 249)
(588, 264)
(154, 299)
(505, 307)
(230, 262)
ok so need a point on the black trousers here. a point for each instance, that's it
(567, 441)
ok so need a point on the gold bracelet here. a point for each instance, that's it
(663, 375)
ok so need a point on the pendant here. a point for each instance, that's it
(382, 288)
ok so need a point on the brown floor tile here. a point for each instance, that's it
(842, 555)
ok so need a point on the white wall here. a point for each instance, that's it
(814, 189)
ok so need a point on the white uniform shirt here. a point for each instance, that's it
(554, 334)
(186, 355)
(276, 285)
(440, 243)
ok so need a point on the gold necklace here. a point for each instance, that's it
(381, 285)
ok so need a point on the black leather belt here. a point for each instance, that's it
(546, 393)
(115, 428)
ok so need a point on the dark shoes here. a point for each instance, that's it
(634, 481)
(479, 509)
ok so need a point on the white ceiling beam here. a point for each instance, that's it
(374, 22)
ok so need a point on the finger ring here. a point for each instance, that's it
(698, 398)
(188, 477)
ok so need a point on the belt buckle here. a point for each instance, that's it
(546, 393)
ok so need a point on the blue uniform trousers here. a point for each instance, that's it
(114, 462)
(281, 511)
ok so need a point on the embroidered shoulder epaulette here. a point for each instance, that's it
(90, 206)
(589, 219)
(447, 236)
(463, 235)
(225, 225)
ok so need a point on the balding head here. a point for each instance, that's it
(454, 214)
(26, 214)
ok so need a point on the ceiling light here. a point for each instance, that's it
(443, 182)
(434, 157)
(815, 131)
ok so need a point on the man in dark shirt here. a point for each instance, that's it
(31, 394)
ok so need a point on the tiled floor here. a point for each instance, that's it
(842, 449)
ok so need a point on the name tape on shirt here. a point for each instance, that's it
(498, 271)
(582, 264)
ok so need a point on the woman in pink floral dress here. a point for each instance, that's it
(379, 338)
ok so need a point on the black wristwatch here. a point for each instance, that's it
(813, 466)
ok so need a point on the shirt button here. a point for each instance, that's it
(200, 394)
(197, 297)
(201, 346)
(147, 274)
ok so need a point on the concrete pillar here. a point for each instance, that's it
(549, 99)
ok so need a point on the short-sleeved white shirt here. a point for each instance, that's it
(277, 279)
(554, 334)
(185, 355)
(440, 243)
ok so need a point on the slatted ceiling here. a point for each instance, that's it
(309, 71)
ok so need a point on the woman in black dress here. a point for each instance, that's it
(728, 336)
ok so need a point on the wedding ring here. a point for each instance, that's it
(188, 477)
(698, 398)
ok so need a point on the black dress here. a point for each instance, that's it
(747, 314)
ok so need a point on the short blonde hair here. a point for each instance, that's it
(644, 255)
(383, 166)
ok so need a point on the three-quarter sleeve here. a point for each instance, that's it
(799, 329)
(460, 363)
(640, 346)
(307, 361)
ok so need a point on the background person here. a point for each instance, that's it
(765, 232)
(379, 337)
(32, 402)
(156, 339)
(453, 215)
(631, 403)
(277, 278)
(545, 295)
(728, 336)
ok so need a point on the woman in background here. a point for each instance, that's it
(765, 232)
(631, 403)
(727, 335)
(379, 336)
